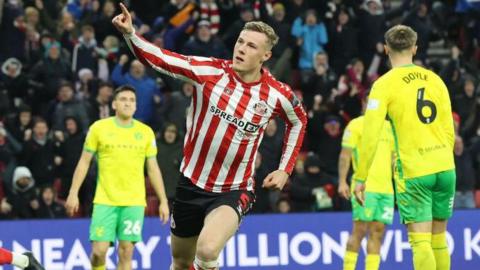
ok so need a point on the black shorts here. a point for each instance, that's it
(192, 204)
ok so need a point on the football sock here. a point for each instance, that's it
(372, 262)
(440, 250)
(350, 260)
(423, 258)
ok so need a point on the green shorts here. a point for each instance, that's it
(427, 197)
(109, 223)
(378, 207)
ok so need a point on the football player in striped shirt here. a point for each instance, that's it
(231, 106)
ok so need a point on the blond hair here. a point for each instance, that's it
(264, 28)
(400, 37)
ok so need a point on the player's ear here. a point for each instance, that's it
(266, 56)
(114, 105)
(385, 49)
(414, 50)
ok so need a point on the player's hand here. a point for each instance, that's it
(275, 180)
(163, 212)
(344, 190)
(72, 204)
(360, 192)
(123, 21)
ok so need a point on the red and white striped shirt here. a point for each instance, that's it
(227, 117)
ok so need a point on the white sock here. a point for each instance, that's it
(19, 260)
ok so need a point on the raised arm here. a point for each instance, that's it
(188, 68)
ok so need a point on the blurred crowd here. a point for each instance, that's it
(61, 60)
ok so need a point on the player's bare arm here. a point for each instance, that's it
(78, 177)
(343, 167)
(156, 179)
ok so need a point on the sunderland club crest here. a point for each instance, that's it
(260, 108)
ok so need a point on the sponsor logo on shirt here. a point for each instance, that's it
(373, 104)
(241, 124)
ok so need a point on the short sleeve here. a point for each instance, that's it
(91, 141)
(151, 149)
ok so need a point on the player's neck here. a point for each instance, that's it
(251, 75)
(400, 60)
(123, 122)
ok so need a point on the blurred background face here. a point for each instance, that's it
(187, 89)
(105, 93)
(469, 88)
(321, 59)
(137, 70)
(65, 93)
(279, 14)
(170, 134)
(31, 16)
(358, 67)
(88, 34)
(125, 104)
(48, 196)
(54, 52)
(250, 51)
(204, 33)
(247, 15)
(71, 126)
(109, 9)
(23, 182)
(25, 118)
(343, 18)
(311, 18)
(40, 130)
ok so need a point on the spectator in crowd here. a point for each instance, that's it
(176, 105)
(311, 191)
(169, 156)
(271, 146)
(100, 105)
(66, 105)
(322, 82)
(71, 148)
(85, 53)
(67, 31)
(231, 34)
(311, 36)
(464, 167)
(101, 19)
(324, 131)
(372, 26)
(283, 206)
(48, 208)
(205, 44)
(15, 82)
(148, 92)
(280, 62)
(263, 200)
(20, 126)
(343, 41)
(49, 73)
(21, 201)
(40, 154)
(9, 149)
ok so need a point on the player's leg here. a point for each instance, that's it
(99, 253)
(443, 196)
(359, 230)
(129, 231)
(125, 254)
(221, 222)
(183, 251)
(382, 205)
(376, 231)
(102, 233)
(414, 200)
(33, 264)
(186, 222)
(13, 258)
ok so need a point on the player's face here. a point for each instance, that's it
(125, 104)
(250, 51)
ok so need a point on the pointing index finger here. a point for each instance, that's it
(124, 10)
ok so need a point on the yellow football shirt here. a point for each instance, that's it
(416, 102)
(380, 173)
(120, 152)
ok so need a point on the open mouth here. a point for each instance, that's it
(239, 59)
